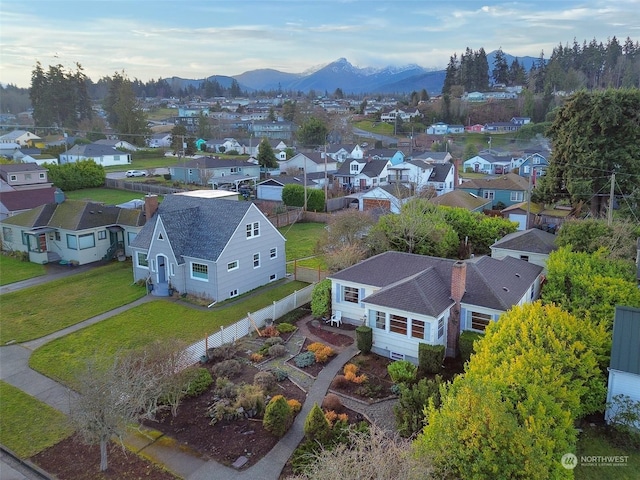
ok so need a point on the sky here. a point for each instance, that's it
(152, 39)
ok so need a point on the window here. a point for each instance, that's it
(172, 269)
(7, 234)
(102, 235)
(517, 196)
(25, 238)
(351, 294)
(87, 240)
(417, 328)
(354, 168)
(233, 293)
(141, 260)
(381, 320)
(398, 324)
(199, 271)
(526, 169)
(253, 229)
(232, 265)
(273, 253)
(72, 242)
(130, 237)
(41, 176)
(273, 277)
(440, 327)
(234, 170)
(524, 257)
(57, 235)
(13, 178)
(116, 158)
(489, 194)
(536, 161)
(256, 260)
(479, 321)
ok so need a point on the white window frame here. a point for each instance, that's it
(231, 267)
(417, 325)
(479, 317)
(86, 241)
(380, 320)
(144, 263)
(351, 294)
(273, 253)
(13, 178)
(273, 277)
(42, 175)
(7, 234)
(399, 321)
(73, 244)
(102, 235)
(195, 275)
(253, 229)
(440, 327)
(489, 194)
(517, 196)
(233, 293)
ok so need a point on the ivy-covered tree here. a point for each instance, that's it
(321, 298)
(595, 134)
(313, 132)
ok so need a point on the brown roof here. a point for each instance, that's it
(17, 200)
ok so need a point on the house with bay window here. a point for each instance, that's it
(408, 299)
(209, 247)
(72, 231)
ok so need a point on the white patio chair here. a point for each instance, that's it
(336, 318)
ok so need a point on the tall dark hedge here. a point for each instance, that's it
(430, 358)
(293, 196)
(364, 338)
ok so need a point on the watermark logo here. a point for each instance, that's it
(569, 461)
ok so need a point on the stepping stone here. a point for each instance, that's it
(240, 462)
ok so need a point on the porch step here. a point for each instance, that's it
(53, 257)
(160, 289)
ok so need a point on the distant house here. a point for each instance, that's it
(533, 166)
(21, 137)
(439, 128)
(355, 175)
(487, 163)
(455, 129)
(501, 127)
(477, 128)
(271, 189)
(342, 152)
(101, 154)
(216, 171)
(265, 128)
(520, 120)
(311, 162)
(539, 216)
(533, 245)
(624, 366)
(393, 155)
(24, 186)
(382, 199)
(413, 174)
(410, 299)
(432, 157)
(73, 230)
(506, 189)
(442, 178)
(118, 144)
(211, 248)
(159, 140)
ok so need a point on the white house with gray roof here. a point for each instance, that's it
(409, 299)
(212, 248)
(104, 155)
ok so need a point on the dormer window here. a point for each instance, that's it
(354, 168)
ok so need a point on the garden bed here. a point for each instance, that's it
(376, 387)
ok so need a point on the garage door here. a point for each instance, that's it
(269, 192)
(374, 203)
(521, 219)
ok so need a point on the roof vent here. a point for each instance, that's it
(518, 275)
(505, 289)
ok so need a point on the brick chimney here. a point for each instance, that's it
(150, 205)
(458, 285)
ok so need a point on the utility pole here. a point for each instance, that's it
(326, 187)
(529, 199)
(611, 192)
(304, 209)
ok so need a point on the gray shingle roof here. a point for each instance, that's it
(440, 172)
(215, 162)
(533, 240)
(196, 227)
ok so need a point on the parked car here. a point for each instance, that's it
(136, 173)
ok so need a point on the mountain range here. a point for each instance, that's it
(342, 74)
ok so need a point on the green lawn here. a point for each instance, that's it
(43, 309)
(380, 128)
(27, 425)
(160, 320)
(110, 196)
(301, 243)
(593, 441)
(13, 270)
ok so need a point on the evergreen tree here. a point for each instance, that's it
(500, 73)
(266, 157)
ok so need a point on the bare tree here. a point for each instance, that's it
(372, 455)
(118, 394)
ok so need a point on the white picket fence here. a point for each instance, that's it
(243, 327)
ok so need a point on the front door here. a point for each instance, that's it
(162, 269)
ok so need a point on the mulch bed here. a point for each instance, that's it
(71, 459)
(329, 337)
(378, 384)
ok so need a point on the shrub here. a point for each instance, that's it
(350, 371)
(402, 371)
(624, 418)
(340, 382)
(305, 359)
(273, 341)
(331, 401)
(316, 426)
(430, 357)
(333, 417)
(323, 355)
(225, 388)
(321, 298)
(265, 380)
(277, 416)
(280, 374)
(410, 409)
(256, 357)
(264, 349)
(467, 339)
(315, 347)
(251, 399)
(285, 327)
(223, 352)
(295, 405)
(269, 331)
(199, 381)
(227, 368)
(350, 368)
(276, 351)
(364, 338)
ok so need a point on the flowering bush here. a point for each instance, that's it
(295, 405)
(256, 357)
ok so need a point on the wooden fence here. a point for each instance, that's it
(244, 327)
(140, 187)
(309, 275)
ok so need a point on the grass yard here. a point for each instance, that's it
(43, 309)
(14, 270)
(301, 243)
(380, 128)
(593, 441)
(110, 196)
(161, 321)
(27, 425)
